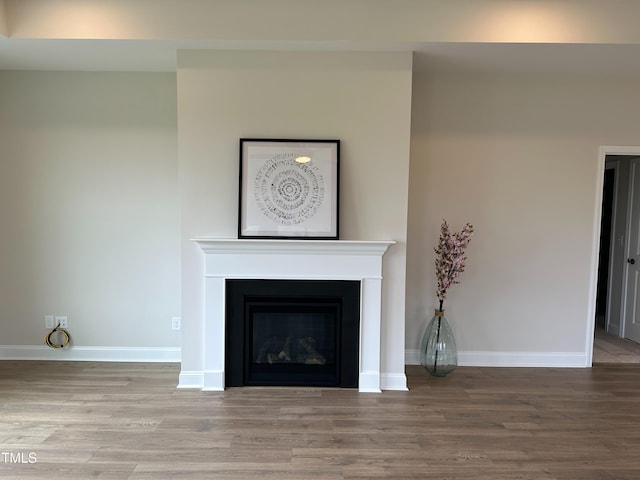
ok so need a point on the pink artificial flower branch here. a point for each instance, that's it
(450, 259)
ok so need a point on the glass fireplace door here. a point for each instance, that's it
(292, 343)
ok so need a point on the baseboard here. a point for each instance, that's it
(94, 354)
(191, 379)
(511, 359)
(195, 380)
(388, 381)
(393, 381)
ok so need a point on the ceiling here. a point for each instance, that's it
(160, 55)
(519, 36)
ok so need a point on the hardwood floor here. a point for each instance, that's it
(128, 421)
(611, 349)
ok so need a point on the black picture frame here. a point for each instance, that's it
(289, 189)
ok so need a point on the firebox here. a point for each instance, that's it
(292, 332)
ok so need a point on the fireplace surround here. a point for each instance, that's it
(292, 332)
(265, 259)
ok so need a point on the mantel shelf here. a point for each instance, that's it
(212, 245)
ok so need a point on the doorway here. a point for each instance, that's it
(616, 289)
(606, 224)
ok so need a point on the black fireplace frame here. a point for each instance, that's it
(343, 295)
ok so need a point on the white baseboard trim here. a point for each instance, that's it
(195, 379)
(369, 382)
(191, 379)
(388, 381)
(511, 359)
(213, 380)
(393, 381)
(91, 354)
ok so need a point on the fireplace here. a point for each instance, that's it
(298, 261)
(291, 332)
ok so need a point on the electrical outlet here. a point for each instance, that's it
(48, 321)
(175, 323)
(62, 321)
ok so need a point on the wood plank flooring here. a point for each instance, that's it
(611, 349)
(66, 420)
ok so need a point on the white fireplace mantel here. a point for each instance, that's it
(291, 259)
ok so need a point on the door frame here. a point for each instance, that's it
(593, 282)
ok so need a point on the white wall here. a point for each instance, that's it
(517, 156)
(89, 206)
(89, 210)
(363, 99)
(3, 19)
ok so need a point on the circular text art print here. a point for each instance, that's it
(288, 192)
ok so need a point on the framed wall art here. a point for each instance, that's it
(289, 188)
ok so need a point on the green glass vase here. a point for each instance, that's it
(438, 352)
